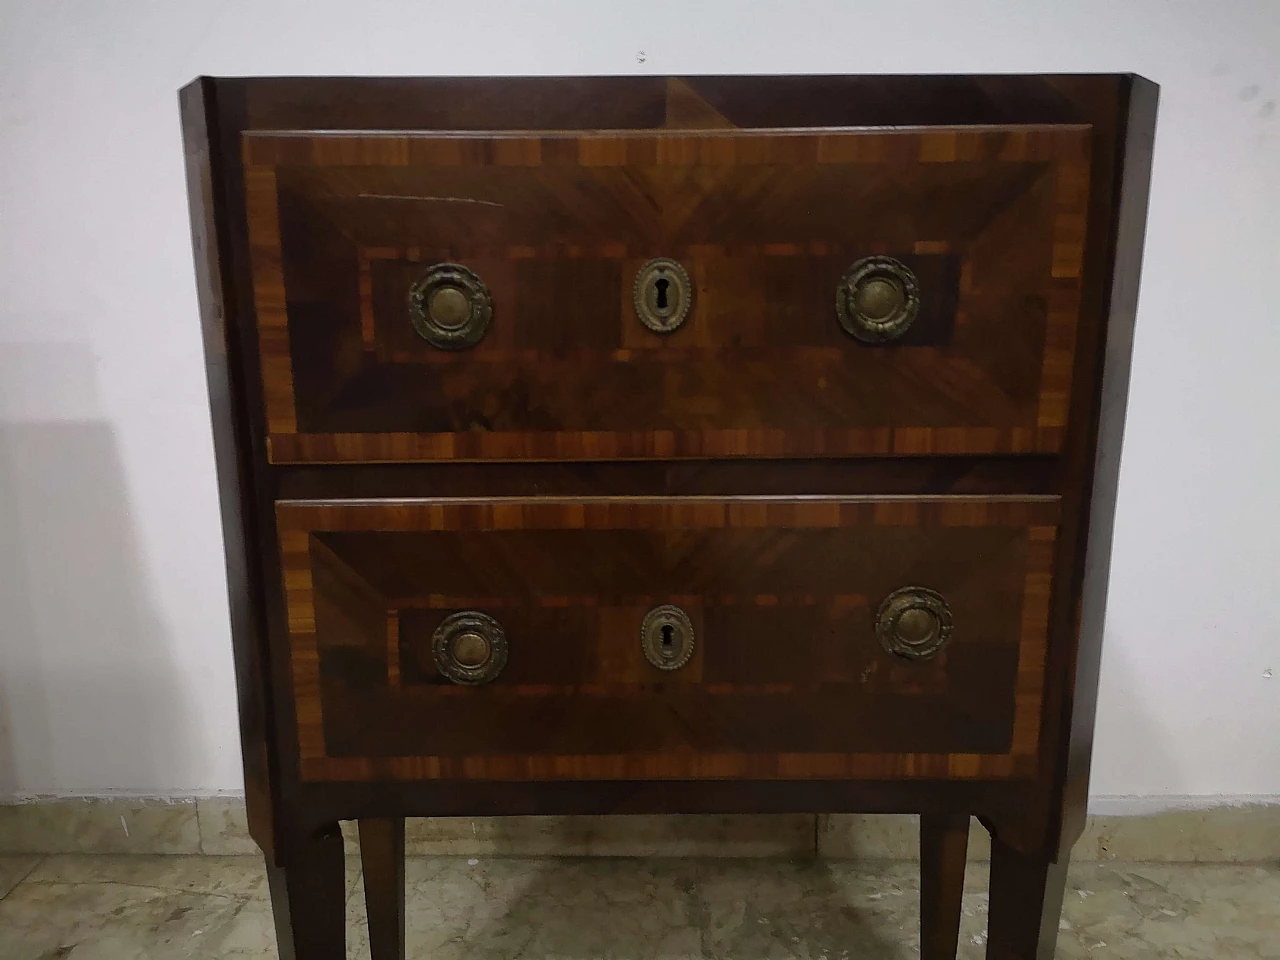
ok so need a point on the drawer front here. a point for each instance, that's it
(539, 350)
(854, 637)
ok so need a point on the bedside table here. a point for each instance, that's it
(668, 445)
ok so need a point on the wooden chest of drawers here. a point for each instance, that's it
(668, 445)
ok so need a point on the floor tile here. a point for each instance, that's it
(96, 918)
(121, 908)
(13, 870)
(822, 910)
(206, 876)
(1134, 911)
(498, 908)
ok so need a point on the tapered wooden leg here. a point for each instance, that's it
(944, 841)
(1026, 904)
(308, 898)
(382, 854)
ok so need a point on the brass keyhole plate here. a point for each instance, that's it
(469, 647)
(666, 636)
(663, 294)
(877, 299)
(450, 307)
(914, 622)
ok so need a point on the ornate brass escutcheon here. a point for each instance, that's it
(877, 299)
(469, 647)
(667, 637)
(663, 294)
(450, 307)
(914, 622)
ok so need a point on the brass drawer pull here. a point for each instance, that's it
(914, 622)
(667, 637)
(663, 294)
(877, 299)
(470, 647)
(450, 307)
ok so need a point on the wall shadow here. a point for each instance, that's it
(90, 699)
(1134, 762)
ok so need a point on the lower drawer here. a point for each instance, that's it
(662, 638)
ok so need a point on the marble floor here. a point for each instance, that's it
(113, 908)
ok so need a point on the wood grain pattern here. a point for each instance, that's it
(382, 866)
(1113, 268)
(944, 841)
(234, 446)
(1026, 903)
(307, 899)
(340, 225)
(1020, 203)
(788, 679)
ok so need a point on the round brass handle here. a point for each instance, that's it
(877, 299)
(663, 294)
(666, 636)
(914, 622)
(450, 307)
(470, 647)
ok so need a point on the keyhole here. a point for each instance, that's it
(660, 287)
(668, 636)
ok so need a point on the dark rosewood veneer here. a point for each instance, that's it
(668, 445)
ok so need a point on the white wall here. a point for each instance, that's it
(115, 668)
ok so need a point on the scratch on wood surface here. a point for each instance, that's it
(402, 196)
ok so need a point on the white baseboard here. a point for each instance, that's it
(1144, 806)
(1195, 829)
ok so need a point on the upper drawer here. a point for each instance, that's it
(957, 337)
